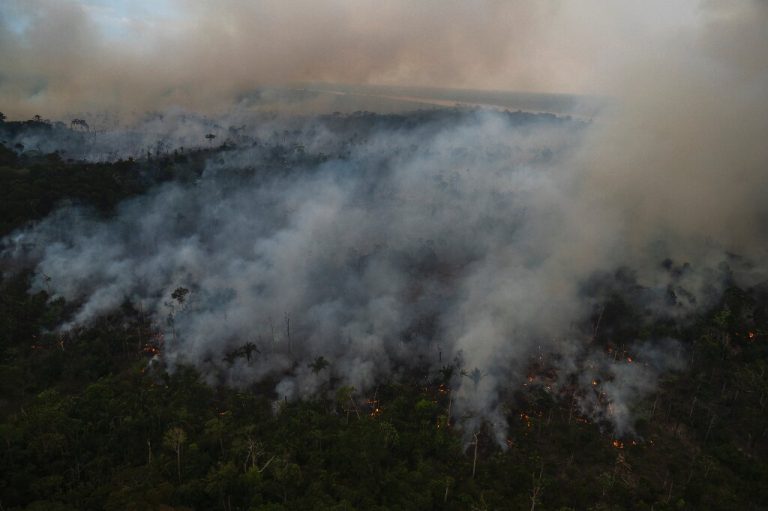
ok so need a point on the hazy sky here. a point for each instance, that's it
(69, 55)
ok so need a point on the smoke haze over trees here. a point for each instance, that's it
(477, 247)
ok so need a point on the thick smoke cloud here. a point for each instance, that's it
(684, 152)
(61, 57)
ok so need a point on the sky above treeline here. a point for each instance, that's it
(60, 56)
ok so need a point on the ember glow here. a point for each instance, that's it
(151, 349)
(375, 407)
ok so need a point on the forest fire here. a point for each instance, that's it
(317, 201)
(151, 349)
(375, 407)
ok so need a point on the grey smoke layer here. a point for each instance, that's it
(475, 239)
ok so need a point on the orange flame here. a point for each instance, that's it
(152, 350)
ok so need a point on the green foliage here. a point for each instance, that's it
(319, 364)
(85, 423)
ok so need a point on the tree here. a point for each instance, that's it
(216, 428)
(174, 439)
(248, 349)
(536, 486)
(344, 396)
(180, 294)
(475, 375)
(319, 364)
(179, 297)
(79, 123)
(2, 117)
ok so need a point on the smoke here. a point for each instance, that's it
(683, 154)
(61, 57)
(397, 257)
(479, 237)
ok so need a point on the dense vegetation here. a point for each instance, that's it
(92, 420)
